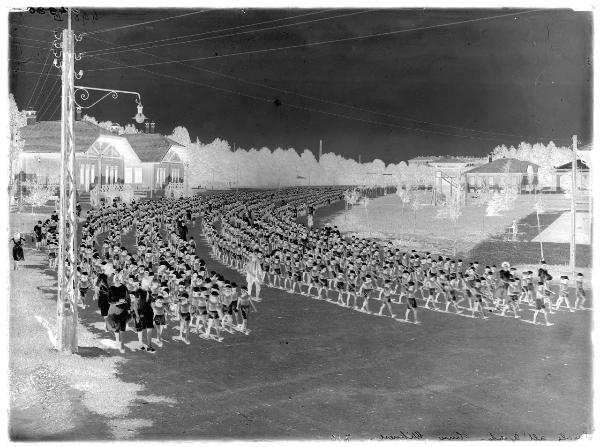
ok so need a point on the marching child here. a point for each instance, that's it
(185, 317)
(215, 313)
(411, 302)
(539, 304)
(579, 292)
(513, 298)
(429, 288)
(84, 286)
(386, 294)
(563, 294)
(160, 309)
(340, 285)
(365, 290)
(245, 303)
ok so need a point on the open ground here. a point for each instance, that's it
(311, 369)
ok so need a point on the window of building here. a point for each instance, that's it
(128, 175)
(138, 175)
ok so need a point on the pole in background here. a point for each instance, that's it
(320, 149)
(573, 191)
(66, 317)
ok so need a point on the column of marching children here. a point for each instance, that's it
(160, 282)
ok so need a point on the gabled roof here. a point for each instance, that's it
(503, 166)
(580, 165)
(44, 136)
(448, 159)
(150, 147)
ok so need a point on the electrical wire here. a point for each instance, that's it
(54, 111)
(148, 22)
(38, 80)
(311, 44)
(31, 72)
(12, 36)
(206, 32)
(233, 34)
(268, 100)
(47, 102)
(361, 109)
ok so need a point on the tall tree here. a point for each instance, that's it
(17, 120)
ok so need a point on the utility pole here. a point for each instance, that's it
(573, 211)
(66, 316)
(320, 149)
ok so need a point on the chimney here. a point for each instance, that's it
(320, 149)
(31, 116)
(147, 128)
(152, 127)
(78, 114)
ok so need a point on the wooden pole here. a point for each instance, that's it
(573, 211)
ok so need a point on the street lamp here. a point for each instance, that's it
(140, 117)
(84, 95)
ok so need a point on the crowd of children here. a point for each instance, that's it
(160, 279)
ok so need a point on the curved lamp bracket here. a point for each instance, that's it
(83, 94)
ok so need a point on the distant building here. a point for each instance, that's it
(447, 162)
(562, 176)
(147, 161)
(501, 172)
(448, 172)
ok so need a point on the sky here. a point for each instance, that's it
(393, 84)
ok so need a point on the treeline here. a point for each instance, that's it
(217, 165)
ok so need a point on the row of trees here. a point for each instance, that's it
(218, 164)
(109, 125)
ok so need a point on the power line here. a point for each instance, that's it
(325, 101)
(164, 75)
(232, 34)
(31, 72)
(27, 38)
(207, 32)
(347, 39)
(148, 22)
(268, 100)
(33, 27)
(43, 84)
(47, 102)
(27, 46)
(38, 80)
(58, 103)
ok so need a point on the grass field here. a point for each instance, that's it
(313, 370)
(386, 218)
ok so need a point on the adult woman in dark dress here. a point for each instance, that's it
(103, 283)
(118, 312)
(18, 255)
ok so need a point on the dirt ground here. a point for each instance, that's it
(313, 370)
